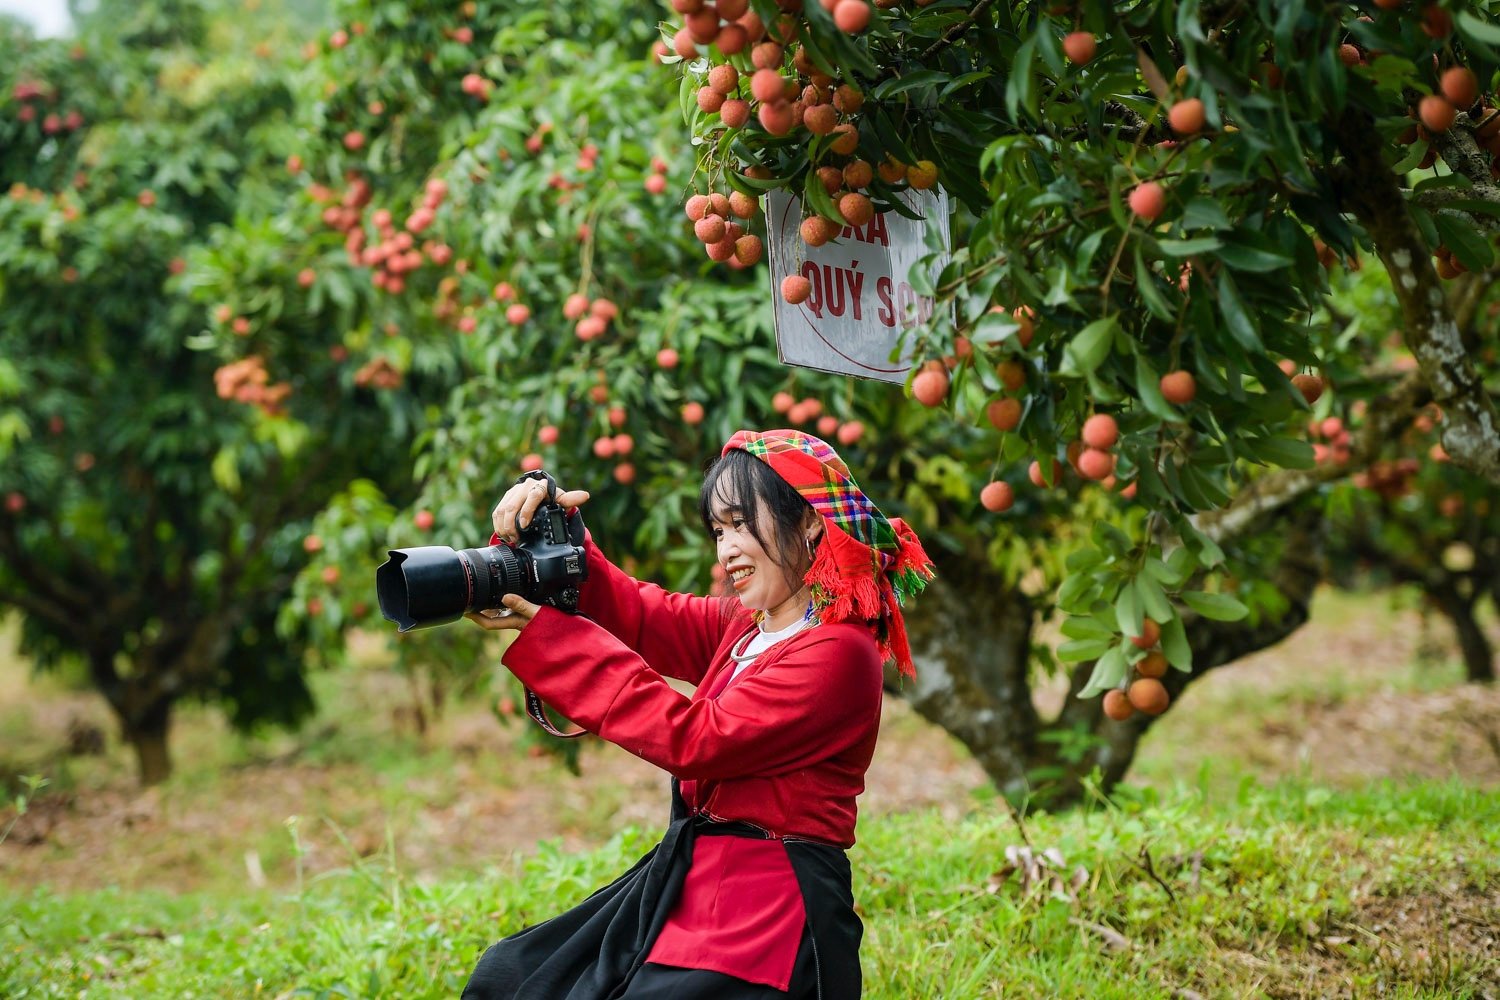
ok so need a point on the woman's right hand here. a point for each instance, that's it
(522, 500)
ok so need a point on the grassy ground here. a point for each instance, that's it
(1319, 821)
(1287, 892)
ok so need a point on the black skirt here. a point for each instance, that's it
(597, 950)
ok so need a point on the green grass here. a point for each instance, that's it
(1288, 899)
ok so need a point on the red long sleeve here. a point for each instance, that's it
(793, 707)
(676, 634)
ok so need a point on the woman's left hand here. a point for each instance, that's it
(515, 615)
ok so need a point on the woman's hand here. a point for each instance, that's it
(516, 613)
(522, 500)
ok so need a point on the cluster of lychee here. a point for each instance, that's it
(713, 217)
(378, 373)
(53, 123)
(1389, 478)
(1332, 443)
(592, 318)
(731, 26)
(1458, 90)
(800, 412)
(1146, 693)
(246, 381)
(656, 180)
(806, 98)
(396, 254)
(224, 314)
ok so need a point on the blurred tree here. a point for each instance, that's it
(153, 523)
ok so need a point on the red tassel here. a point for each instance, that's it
(847, 582)
(901, 648)
(910, 556)
(843, 574)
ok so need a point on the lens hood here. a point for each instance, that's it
(424, 586)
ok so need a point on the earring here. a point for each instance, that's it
(811, 552)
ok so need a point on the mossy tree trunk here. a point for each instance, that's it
(972, 635)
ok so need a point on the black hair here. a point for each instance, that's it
(738, 476)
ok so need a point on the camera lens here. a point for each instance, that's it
(496, 570)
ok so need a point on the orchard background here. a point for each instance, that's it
(285, 285)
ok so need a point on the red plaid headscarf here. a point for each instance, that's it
(867, 564)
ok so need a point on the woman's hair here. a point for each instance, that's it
(738, 482)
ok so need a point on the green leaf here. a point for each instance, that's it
(1243, 257)
(1181, 564)
(1083, 649)
(1108, 536)
(1090, 347)
(1153, 599)
(1442, 181)
(1186, 248)
(1219, 607)
(1018, 84)
(1473, 205)
(1108, 672)
(1148, 389)
(1204, 213)
(1236, 316)
(1460, 236)
(1205, 549)
(226, 470)
(911, 81)
(1287, 453)
(1128, 612)
(1174, 643)
(1083, 559)
(1480, 30)
(1086, 627)
(1075, 591)
(960, 82)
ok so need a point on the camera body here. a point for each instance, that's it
(436, 585)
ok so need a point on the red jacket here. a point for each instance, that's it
(785, 746)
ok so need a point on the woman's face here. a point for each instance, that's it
(759, 582)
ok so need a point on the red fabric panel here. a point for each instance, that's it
(740, 913)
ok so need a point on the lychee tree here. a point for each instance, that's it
(157, 496)
(530, 250)
(1156, 204)
(553, 247)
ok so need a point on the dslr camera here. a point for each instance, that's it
(435, 585)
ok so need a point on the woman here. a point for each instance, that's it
(748, 894)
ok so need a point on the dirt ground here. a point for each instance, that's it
(1344, 703)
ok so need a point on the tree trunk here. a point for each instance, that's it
(148, 737)
(971, 642)
(143, 708)
(1479, 657)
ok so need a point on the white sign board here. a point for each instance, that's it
(861, 301)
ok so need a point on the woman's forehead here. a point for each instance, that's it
(725, 502)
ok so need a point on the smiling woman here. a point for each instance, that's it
(749, 892)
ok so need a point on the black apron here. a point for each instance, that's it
(597, 950)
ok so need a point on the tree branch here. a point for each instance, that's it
(1471, 428)
(955, 30)
(1459, 149)
(1384, 419)
(1438, 201)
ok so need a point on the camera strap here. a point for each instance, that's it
(538, 713)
